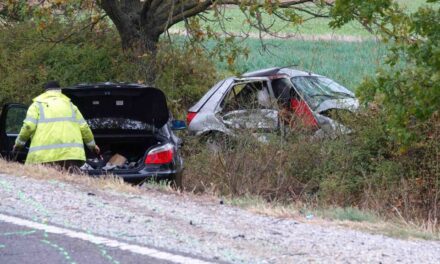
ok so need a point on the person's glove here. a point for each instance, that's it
(96, 150)
(16, 147)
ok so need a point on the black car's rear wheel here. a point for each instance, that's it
(215, 141)
(177, 182)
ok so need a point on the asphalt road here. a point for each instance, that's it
(20, 244)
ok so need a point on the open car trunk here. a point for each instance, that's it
(123, 154)
(126, 120)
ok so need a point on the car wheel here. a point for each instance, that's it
(178, 181)
(215, 141)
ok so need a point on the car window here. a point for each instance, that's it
(283, 91)
(229, 101)
(14, 120)
(320, 86)
(251, 95)
(319, 89)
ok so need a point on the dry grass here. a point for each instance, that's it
(394, 227)
(41, 172)
(258, 205)
(107, 182)
(366, 170)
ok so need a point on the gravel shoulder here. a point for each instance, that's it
(201, 226)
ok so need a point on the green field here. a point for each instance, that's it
(346, 62)
(235, 21)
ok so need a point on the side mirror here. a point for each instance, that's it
(178, 125)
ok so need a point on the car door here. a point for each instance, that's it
(11, 120)
(249, 104)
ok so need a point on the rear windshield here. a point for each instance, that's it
(206, 97)
(118, 124)
(121, 126)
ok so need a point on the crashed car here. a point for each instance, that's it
(258, 100)
(131, 124)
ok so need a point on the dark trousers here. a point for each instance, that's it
(71, 166)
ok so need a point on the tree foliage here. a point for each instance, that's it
(141, 23)
(409, 88)
(27, 61)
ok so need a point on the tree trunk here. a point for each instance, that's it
(143, 50)
(149, 62)
(140, 43)
(139, 35)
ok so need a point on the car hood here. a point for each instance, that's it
(351, 104)
(120, 101)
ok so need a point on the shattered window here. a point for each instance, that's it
(320, 86)
(318, 89)
(283, 91)
(247, 96)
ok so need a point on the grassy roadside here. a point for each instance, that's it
(349, 217)
(337, 217)
(44, 173)
(363, 170)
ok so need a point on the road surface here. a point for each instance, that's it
(91, 223)
(23, 241)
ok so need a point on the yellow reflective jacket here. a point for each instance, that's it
(56, 129)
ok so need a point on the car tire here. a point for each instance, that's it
(215, 141)
(177, 182)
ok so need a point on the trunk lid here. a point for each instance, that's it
(120, 106)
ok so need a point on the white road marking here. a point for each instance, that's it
(142, 250)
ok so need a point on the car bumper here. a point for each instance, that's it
(139, 177)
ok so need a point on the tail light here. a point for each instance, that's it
(160, 155)
(189, 117)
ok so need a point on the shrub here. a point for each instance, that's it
(409, 89)
(27, 61)
(185, 74)
(365, 169)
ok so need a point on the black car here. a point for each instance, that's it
(130, 120)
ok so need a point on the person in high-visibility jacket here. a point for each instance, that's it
(57, 130)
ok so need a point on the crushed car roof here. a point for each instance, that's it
(278, 71)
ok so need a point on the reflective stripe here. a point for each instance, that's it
(56, 146)
(82, 121)
(43, 119)
(91, 143)
(73, 111)
(31, 119)
(40, 105)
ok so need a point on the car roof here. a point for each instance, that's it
(291, 72)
